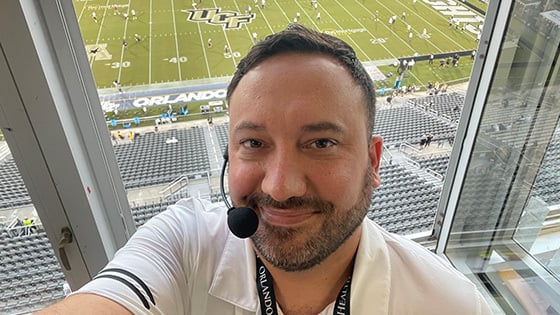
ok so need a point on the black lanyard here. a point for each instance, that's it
(268, 299)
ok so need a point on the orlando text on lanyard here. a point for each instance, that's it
(268, 299)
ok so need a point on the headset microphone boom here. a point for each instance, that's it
(243, 221)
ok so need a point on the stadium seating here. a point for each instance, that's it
(447, 106)
(408, 124)
(437, 164)
(30, 276)
(143, 213)
(12, 188)
(158, 158)
(406, 203)
(222, 133)
(547, 183)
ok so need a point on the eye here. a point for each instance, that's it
(322, 143)
(251, 144)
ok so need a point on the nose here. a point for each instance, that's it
(284, 177)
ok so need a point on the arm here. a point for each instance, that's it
(150, 274)
(87, 304)
(145, 276)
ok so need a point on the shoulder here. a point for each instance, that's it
(427, 281)
(191, 211)
(175, 249)
(196, 205)
(407, 254)
(189, 222)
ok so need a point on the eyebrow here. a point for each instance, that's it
(315, 127)
(247, 125)
(322, 126)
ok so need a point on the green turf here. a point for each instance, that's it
(175, 49)
(423, 72)
(479, 4)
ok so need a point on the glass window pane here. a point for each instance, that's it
(505, 227)
(30, 274)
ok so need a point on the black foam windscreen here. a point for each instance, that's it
(242, 222)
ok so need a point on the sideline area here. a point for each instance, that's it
(142, 195)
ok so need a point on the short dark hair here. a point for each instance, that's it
(298, 38)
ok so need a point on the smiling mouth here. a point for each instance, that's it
(285, 217)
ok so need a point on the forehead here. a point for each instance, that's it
(296, 84)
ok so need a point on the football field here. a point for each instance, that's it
(147, 42)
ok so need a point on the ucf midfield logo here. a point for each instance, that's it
(230, 20)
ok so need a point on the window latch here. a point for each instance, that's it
(65, 239)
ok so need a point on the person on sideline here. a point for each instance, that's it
(303, 157)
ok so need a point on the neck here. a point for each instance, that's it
(310, 291)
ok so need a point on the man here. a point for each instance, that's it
(301, 154)
(118, 85)
(29, 226)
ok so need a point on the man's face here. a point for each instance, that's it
(299, 156)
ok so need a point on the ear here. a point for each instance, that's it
(375, 152)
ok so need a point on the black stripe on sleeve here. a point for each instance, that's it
(128, 284)
(133, 276)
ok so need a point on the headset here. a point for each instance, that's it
(243, 221)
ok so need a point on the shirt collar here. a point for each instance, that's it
(371, 279)
(234, 279)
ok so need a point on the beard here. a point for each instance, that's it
(300, 248)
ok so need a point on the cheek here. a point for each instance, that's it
(242, 179)
(341, 184)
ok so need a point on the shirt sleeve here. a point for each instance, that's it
(147, 275)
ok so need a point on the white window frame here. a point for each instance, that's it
(51, 117)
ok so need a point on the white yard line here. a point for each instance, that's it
(99, 31)
(390, 28)
(176, 40)
(430, 24)
(340, 27)
(150, 46)
(363, 26)
(122, 46)
(203, 44)
(82, 12)
(228, 43)
(265, 19)
(283, 12)
(101, 23)
(244, 24)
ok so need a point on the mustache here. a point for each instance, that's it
(256, 200)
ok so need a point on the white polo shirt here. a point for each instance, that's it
(186, 261)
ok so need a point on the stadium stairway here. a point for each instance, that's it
(214, 152)
(415, 168)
